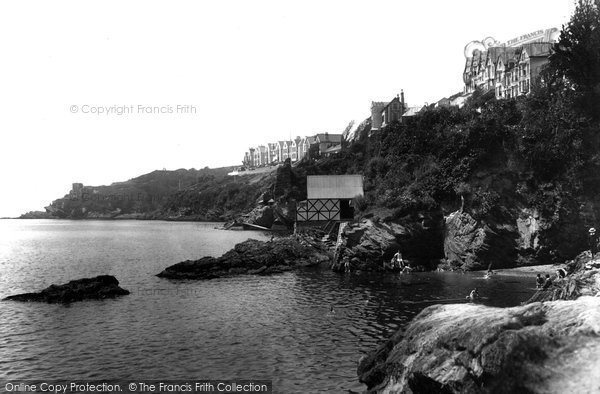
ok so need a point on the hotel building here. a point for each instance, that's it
(508, 69)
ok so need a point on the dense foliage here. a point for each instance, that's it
(540, 151)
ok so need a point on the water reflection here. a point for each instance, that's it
(277, 327)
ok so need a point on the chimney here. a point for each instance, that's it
(402, 99)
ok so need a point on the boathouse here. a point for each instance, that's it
(329, 198)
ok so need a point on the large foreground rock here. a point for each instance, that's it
(251, 257)
(100, 287)
(551, 347)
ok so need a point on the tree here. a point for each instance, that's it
(575, 63)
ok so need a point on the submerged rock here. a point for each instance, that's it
(100, 287)
(251, 257)
(549, 347)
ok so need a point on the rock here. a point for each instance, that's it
(470, 244)
(370, 242)
(582, 280)
(549, 347)
(540, 347)
(100, 287)
(250, 257)
(37, 215)
(261, 216)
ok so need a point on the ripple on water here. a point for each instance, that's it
(277, 327)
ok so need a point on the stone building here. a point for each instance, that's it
(76, 192)
(383, 113)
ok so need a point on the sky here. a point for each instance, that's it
(103, 91)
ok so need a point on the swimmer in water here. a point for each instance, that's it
(331, 310)
(474, 296)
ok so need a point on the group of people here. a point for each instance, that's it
(545, 282)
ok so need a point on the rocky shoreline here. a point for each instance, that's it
(99, 287)
(551, 344)
(254, 258)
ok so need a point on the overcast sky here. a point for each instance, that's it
(255, 71)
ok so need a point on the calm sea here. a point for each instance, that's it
(249, 327)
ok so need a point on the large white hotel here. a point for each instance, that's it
(507, 68)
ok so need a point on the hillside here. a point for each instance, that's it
(496, 182)
(206, 194)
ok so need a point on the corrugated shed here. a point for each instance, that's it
(334, 186)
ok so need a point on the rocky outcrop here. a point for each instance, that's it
(37, 215)
(263, 216)
(471, 244)
(549, 347)
(541, 347)
(251, 257)
(583, 278)
(370, 241)
(100, 287)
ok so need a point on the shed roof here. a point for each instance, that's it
(334, 186)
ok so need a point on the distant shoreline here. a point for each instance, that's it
(530, 270)
(117, 219)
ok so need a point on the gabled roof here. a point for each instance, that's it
(326, 137)
(388, 104)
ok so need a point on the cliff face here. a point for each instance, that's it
(472, 244)
(541, 347)
(370, 241)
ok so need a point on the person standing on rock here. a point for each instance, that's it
(397, 261)
(593, 241)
